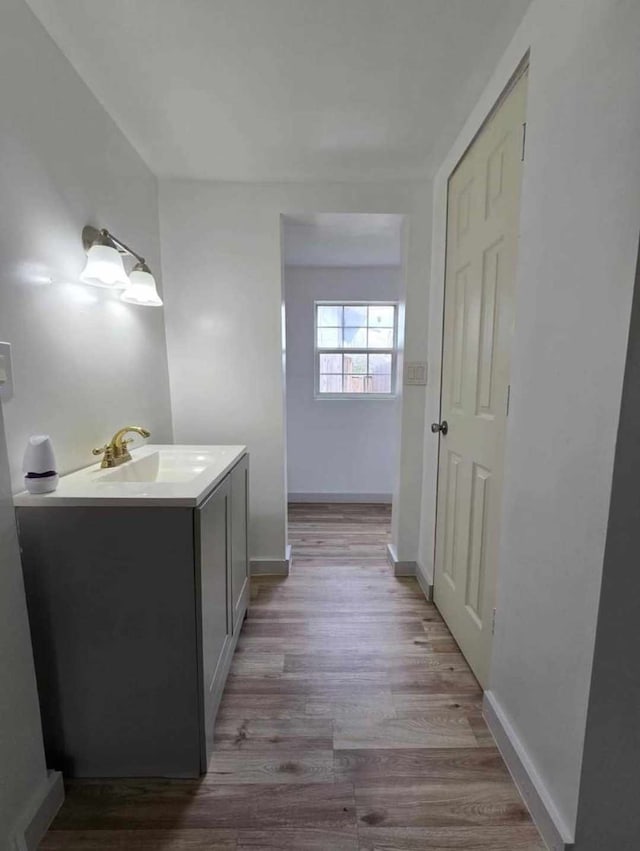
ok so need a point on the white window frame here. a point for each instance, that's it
(317, 351)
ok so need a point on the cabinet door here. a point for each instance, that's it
(239, 544)
(213, 532)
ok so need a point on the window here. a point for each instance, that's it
(355, 344)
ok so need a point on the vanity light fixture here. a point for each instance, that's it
(104, 264)
(142, 289)
(105, 268)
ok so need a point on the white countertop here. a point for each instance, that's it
(162, 476)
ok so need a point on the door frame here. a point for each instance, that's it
(499, 87)
(404, 493)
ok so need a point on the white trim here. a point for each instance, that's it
(423, 582)
(535, 794)
(40, 813)
(409, 568)
(404, 568)
(271, 566)
(400, 568)
(366, 498)
(357, 397)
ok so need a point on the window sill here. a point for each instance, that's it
(350, 397)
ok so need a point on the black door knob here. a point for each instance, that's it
(442, 427)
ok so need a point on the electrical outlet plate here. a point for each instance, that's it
(415, 373)
(6, 372)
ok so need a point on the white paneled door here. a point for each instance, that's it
(482, 242)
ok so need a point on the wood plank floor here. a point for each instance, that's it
(350, 721)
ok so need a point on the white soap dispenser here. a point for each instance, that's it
(39, 465)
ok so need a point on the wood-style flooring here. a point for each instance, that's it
(350, 722)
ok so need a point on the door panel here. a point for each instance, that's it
(491, 265)
(212, 526)
(482, 236)
(239, 548)
(459, 336)
(452, 528)
(480, 483)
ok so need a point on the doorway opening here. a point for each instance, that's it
(343, 292)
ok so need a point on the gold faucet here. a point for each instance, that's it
(116, 452)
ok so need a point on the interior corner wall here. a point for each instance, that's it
(84, 363)
(335, 447)
(580, 212)
(221, 250)
(24, 772)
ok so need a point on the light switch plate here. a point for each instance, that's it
(6, 372)
(415, 373)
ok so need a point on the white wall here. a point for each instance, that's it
(222, 269)
(23, 773)
(344, 446)
(579, 229)
(343, 240)
(84, 362)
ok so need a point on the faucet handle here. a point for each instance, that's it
(107, 455)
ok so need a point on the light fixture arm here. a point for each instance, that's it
(92, 236)
(104, 268)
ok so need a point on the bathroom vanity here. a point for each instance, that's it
(137, 587)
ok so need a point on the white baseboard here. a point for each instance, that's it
(271, 566)
(400, 568)
(409, 568)
(548, 820)
(41, 812)
(423, 582)
(378, 498)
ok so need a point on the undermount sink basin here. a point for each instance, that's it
(161, 466)
(168, 475)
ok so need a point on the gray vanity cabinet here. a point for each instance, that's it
(135, 613)
(224, 577)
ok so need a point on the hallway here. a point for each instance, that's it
(350, 720)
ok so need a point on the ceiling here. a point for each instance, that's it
(285, 89)
(343, 239)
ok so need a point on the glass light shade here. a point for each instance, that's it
(142, 289)
(104, 268)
